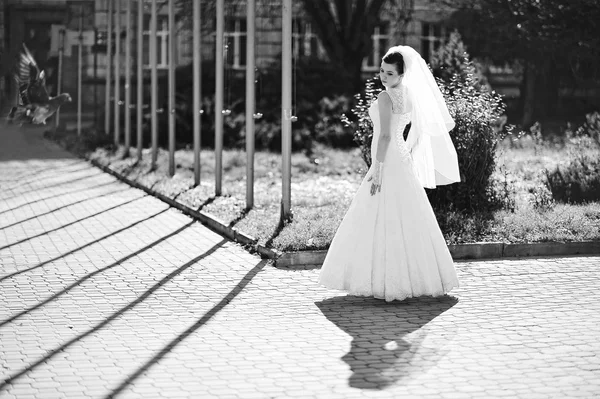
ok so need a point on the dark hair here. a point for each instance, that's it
(395, 58)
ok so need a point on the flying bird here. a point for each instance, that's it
(35, 104)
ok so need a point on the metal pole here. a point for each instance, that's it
(140, 76)
(286, 110)
(250, 101)
(107, 98)
(197, 91)
(117, 62)
(61, 50)
(172, 31)
(219, 87)
(128, 77)
(153, 85)
(80, 70)
(95, 77)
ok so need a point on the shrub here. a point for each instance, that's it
(315, 123)
(590, 128)
(452, 61)
(476, 112)
(578, 182)
(358, 119)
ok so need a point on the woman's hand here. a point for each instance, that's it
(375, 177)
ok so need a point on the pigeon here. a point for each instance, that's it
(35, 105)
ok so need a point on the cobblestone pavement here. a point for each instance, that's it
(107, 292)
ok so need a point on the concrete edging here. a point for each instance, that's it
(206, 219)
(481, 250)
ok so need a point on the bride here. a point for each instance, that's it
(389, 244)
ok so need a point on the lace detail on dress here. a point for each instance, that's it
(403, 120)
(397, 97)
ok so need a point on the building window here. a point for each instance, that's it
(304, 41)
(235, 42)
(380, 40)
(162, 42)
(432, 36)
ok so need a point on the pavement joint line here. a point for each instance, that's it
(71, 223)
(243, 282)
(95, 272)
(63, 207)
(51, 353)
(51, 186)
(56, 195)
(112, 233)
(44, 171)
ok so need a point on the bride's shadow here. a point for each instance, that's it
(388, 339)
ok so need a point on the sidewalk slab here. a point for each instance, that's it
(106, 291)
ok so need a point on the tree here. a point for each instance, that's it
(556, 42)
(344, 28)
(451, 61)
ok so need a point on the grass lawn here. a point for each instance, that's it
(324, 184)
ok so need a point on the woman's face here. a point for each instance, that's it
(388, 74)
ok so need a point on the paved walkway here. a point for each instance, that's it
(107, 292)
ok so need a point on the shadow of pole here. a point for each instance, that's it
(112, 317)
(57, 195)
(203, 320)
(387, 338)
(43, 171)
(82, 247)
(64, 206)
(92, 274)
(71, 223)
(54, 185)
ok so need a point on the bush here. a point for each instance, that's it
(452, 61)
(578, 182)
(315, 123)
(359, 121)
(590, 128)
(475, 138)
(476, 112)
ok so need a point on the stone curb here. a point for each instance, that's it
(483, 250)
(213, 223)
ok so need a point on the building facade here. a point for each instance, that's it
(39, 23)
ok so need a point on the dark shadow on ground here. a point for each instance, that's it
(63, 207)
(381, 353)
(82, 247)
(98, 173)
(71, 223)
(53, 172)
(206, 202)
(92, 274)
(241, 215)
(171, 345)
(52, 353)
(57, 195)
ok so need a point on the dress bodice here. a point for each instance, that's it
(400, 118)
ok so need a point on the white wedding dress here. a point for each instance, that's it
(389, 245)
